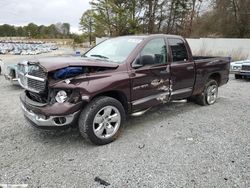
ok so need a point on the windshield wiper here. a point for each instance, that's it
(100, 56)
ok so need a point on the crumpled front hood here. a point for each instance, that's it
(55, 63)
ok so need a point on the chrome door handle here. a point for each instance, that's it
(190, 67)
(164, 72)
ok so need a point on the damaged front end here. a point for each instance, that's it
(52, 98)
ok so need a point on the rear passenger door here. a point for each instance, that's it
(182, 69)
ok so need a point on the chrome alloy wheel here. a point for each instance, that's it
(106, 122)
(212, 93)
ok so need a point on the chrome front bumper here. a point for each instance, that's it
(55, 121)
(243, 73)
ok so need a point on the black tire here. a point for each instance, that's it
(202, 99)
(191, 99)
(86, 119)
(237, 76)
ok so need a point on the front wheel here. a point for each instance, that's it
(101, 120)
(209, 95)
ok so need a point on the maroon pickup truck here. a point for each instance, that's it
(118, 77)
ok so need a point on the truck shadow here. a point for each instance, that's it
(158, 113)
(64, 137)
(154, 116)
(72, 138)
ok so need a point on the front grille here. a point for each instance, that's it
(36, 85)
(245, 67)
(37, 71)
(32, 77)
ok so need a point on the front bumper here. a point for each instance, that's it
(243, 73)
(43, 121)
(45, 115)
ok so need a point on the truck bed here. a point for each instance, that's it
(207, 66)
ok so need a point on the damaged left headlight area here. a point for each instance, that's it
(58, 95)
(36, 82)
(62, 95)
(57, 107)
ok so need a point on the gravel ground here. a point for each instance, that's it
(175, 145)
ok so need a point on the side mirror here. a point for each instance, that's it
(147, 60)
(143, 61)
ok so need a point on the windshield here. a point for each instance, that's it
(116, 49)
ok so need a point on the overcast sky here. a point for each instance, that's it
(22, 12)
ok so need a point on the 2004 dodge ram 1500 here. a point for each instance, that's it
(118, 77)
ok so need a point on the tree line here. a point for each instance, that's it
(189, 18)
(228, 18)
(59, 30)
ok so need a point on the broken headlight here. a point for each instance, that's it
(65, 95)
(61, 96)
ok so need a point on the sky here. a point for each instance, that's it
(42, 12)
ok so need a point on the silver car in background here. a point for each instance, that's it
(240, 69)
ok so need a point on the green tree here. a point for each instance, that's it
(35, 31)
(226, 19)
(118, 17)
(87, 24)
(7, 30)
(20, 32)
(32, 30)
(114, 17)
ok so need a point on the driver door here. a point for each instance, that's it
(150, 77)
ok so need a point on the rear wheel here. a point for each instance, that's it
(101, 120)
(237, 76)
(209, 95)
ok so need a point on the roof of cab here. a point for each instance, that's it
(152, 36)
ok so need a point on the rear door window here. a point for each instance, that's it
(178, 48)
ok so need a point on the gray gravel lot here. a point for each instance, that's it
(175, 145)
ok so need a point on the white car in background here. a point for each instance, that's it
(240, 69)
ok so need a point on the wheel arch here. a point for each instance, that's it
(118, 95)
(216, 76)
